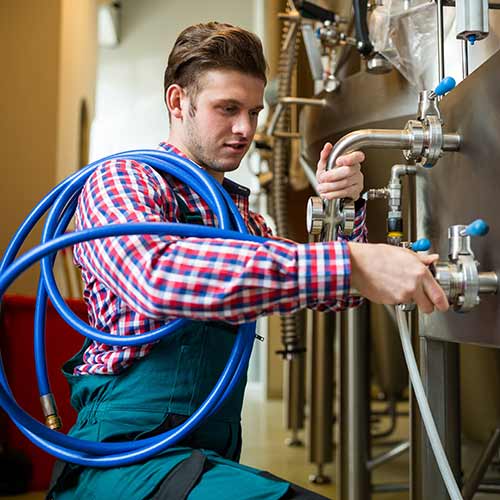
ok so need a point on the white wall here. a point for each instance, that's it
(130, 112)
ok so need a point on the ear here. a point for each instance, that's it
(175, 98)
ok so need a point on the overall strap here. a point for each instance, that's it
(182, 478)
(188, 216)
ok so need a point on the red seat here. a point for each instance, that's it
(16, 345)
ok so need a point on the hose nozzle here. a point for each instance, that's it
(52, 419)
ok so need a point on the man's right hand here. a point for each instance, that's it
(387, 274)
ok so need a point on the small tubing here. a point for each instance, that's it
(62, 202)
(425, 411)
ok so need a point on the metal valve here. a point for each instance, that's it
(459, 276)
(315, 215)
(427, 138)
(318, 216)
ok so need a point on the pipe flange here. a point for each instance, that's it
(459, 281)
(415, 131)
(470, 279)
(434, 136)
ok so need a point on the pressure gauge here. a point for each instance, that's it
(315, 215)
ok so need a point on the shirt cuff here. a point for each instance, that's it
(324, 273)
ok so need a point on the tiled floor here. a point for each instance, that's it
(263, 447)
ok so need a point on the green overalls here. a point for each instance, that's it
(157, 393)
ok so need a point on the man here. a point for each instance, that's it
(214, 85)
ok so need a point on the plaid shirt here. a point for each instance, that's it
(134, 284)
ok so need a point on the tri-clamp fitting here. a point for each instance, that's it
(459, 276)
(422, 142)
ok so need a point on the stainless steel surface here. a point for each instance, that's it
(440, 377)
(488, 282)
(369, 138)
(353, 475)
(461, 187)
(319, 389)
(294, 397)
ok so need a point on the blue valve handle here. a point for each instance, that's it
(445, 85)
(477, 228)
(421, 245)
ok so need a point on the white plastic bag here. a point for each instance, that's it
(406, 36)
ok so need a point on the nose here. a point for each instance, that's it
(243, 125)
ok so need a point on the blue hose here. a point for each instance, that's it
(62, 202)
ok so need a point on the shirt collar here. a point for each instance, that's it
(231, 187)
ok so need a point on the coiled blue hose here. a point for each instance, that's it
(62, 202)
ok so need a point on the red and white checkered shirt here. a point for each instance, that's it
(134, 284)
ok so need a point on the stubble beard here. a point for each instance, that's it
(198, 150)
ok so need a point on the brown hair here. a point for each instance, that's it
(213, 45)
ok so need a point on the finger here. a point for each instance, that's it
(339, 173)
(326, 187)
(350, 192)
(351, 158)
(323, 159)
(428, 259)
(422, 300)
(435, 293)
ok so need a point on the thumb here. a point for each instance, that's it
(323, 158)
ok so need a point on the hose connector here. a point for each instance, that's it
(52, 419)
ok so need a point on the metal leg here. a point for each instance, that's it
(440, 376)
(320, 339)
(353, 475)
(473, 482)
(294, 394)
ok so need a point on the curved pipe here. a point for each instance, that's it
(372, 138)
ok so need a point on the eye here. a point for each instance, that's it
(229, 110)
(254, 114)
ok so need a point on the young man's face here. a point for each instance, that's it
(220, 124)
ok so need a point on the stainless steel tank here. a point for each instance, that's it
(364, 101)
(465, 184)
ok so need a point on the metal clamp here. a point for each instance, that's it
(459, 277)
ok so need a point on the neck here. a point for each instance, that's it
(177, 142)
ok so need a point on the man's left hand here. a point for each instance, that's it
(343, 181)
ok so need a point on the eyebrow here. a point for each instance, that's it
(235, 102)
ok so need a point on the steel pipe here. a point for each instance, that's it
(372, 138)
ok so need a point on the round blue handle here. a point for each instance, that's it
(445, 85)
(472, 39)
(421, 245)
(477, 228)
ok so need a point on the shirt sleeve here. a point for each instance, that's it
(208, 279)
